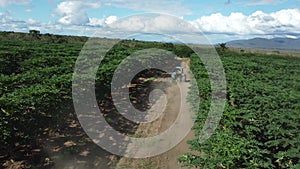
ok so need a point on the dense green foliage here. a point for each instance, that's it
(35, 84)
(259, 128)
(261, 122)
(36, 79)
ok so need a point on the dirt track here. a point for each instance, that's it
(167, 160)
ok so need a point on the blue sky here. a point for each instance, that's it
(219, 20)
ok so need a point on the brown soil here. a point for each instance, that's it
(66, 148)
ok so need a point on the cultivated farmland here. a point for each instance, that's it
(39, 129)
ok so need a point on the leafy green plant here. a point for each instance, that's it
(260, 124)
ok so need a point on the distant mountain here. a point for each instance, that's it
(275, 43)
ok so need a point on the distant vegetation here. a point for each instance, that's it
(259, 128)
(35, 36)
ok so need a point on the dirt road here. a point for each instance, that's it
(176, 94)
(169, 159)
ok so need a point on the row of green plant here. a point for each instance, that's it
(36, 79)
(35, 88)
(261, 121)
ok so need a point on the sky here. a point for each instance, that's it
(218, 20)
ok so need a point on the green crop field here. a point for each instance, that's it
(261, 121)
(260, 124)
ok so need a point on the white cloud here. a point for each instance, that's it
(280, 22)
(28, 10)
(219, 23)
(5, 17)
(111, 19)
(51, 28)
(151, 26)
(151, 23)
(291, 36)
(4, 3)
(34, 24)
(100, 22)
(287, 17)
(75, 12)
(96, 22)
(8, 23)
(218, 27)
